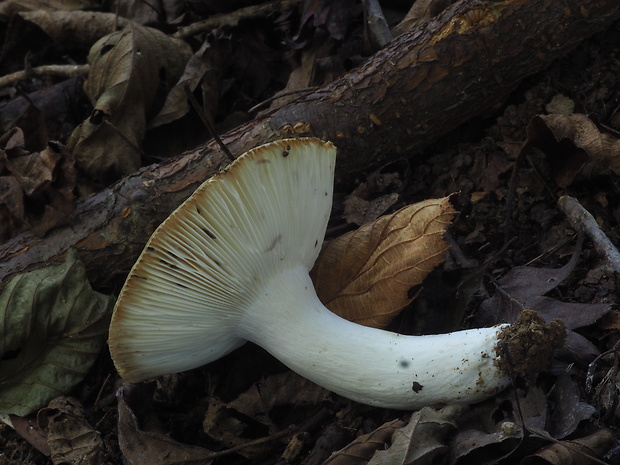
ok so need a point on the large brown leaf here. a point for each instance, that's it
(365, 276)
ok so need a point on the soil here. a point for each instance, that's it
(508, 217)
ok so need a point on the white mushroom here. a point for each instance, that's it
(231, 265)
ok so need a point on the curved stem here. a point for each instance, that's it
(370, 365)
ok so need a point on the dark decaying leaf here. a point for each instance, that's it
(360, 451)
(52, 328)
(421, 10)
(130, 73)
(141, 447)
(373, 197)
(71, 438)
(70, 30)
(365, 276)
(568, 409)
(203, 71)
(10, 7)
(574, 452)
(424, 439)
(36, 187)
(525, 288)
(234, 423)
(572, 141)
(334, 16)
(29, 429)
(495, 428)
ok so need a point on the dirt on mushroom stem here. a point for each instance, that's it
(527, 346)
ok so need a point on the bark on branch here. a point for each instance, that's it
(422, 85)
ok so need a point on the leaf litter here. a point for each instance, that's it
(189, 417)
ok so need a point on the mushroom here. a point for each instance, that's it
(231, 265)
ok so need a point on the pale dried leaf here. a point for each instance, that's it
(365, 276)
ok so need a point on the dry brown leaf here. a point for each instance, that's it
(365, 276)
(130, 72)
(572, 141)
(360, 451)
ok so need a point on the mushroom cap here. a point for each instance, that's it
(203, 267)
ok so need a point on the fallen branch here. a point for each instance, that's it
(422, 85)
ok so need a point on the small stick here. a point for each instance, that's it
(582, 221)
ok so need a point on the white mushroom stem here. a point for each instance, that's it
(369, 365)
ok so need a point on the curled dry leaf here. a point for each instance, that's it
(130, 72)
(365, 276)
(52, 328)
(572, 141)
